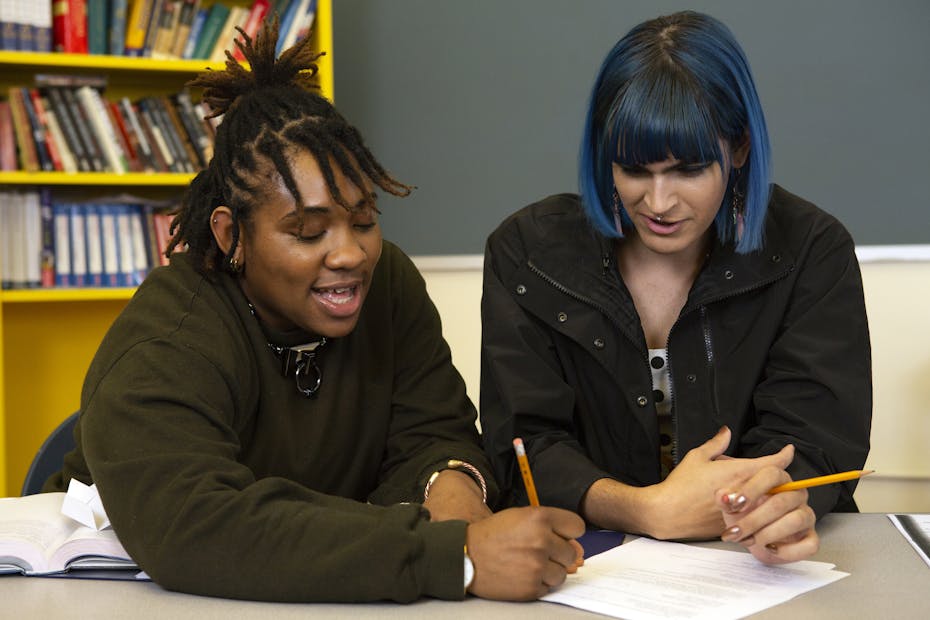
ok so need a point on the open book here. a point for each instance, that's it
(36, 539)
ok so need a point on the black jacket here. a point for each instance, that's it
(774, 344)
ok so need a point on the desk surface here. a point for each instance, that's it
(888, 580)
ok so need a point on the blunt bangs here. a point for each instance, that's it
(676, 87)
(661, 116)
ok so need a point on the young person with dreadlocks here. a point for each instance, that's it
(275, 414)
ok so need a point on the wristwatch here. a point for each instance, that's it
(469, 570)
(467, 468)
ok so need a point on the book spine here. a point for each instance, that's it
(164, 33)
(7, 138)
(140, 11)
(82, 123)
(190, 46)
(62, 223)
(116, 45)
(187, 13)
(42, 35)
(15, 241)
(158, 119)
(127, 263)
(26, 148)
(151, 31)
(140, 254)
(253, 21)
(77, 22)
(48, 238)
(8, 12)
(65, 119)
(38, 131)
(123, 136)
(144, 150)
(54, 152)
(25, 31)
(94, 246)
(68, 162)
(157, 139)
(162, 226)
(210, 32)
(288, 31)
(180, 132)
(78, 246)
(196, 130)
(100, 121)
(110, 245)
(32, 220)
(97, 27)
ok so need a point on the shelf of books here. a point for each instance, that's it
(98, 140)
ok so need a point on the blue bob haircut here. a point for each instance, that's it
(676, 86)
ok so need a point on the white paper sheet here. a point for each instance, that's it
(647, 579)
(82, 503)
(916, 529)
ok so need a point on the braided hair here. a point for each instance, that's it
(268, 112)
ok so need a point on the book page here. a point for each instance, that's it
(646, 579)
(916, 529)
(35, 536)
(29, 527)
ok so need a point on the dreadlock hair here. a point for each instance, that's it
(268, 112)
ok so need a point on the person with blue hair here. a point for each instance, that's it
(684, 335)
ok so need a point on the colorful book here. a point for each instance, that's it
(94, 239)
(109, 232)
(82, 123)
(97, 29)
(257, 14)
(68, 161)
(103, 129)
(9, 13)
(69, 26)
(167, 25)
(127, 263)
(42, 27)
(25, 146)
(7, 138)
(190, 46)
(38, 132)
(48, 238)
(116, 19)
(186, 13)
(140, 12)
(237, 17)
(158, 7)
(210, 32)
(66, 120)
(51, 145)
(61, 215)
(78, 245)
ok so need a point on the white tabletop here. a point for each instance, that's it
(888, 580)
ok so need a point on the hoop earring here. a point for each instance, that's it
(234, 265)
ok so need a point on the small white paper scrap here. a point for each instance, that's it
(82, 503)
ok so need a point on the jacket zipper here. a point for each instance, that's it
(705, 324)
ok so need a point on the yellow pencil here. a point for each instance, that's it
(525, 471)
(820, 480)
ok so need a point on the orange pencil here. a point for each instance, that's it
(525, 471)
(820, 480)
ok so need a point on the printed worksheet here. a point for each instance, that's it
(648, 579)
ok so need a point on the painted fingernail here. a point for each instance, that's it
(734, 501)
(732, 534)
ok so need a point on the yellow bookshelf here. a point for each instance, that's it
(48, 337)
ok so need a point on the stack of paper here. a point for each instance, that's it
(646, 579)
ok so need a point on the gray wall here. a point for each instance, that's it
(479, 103)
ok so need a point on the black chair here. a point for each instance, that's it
(50, 456)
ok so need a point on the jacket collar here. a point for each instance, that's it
(581, 262)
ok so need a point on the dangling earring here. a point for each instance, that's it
(737, 204)
(234, 265)
(617, 221)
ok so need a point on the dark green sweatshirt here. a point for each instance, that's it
(220, 478)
